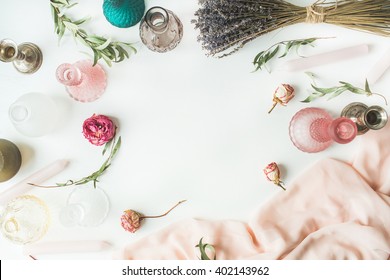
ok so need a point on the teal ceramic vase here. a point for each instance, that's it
(123, 13)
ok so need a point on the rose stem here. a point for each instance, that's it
(166, 213)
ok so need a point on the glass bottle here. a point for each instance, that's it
(25, 219)
(313, 130)
(160, 29)
(366, 118)
(83, 81)
(123, 13)
(27, 57)
(10, 160)
(34, 114)
(86, 206)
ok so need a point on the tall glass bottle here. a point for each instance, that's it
(313, 130)
(161, 30)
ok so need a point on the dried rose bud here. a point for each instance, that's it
(272, 173)
(131, 220)
(99, 129)
(282, 95)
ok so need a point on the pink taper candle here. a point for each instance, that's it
(324, 58)
(36, 178)
(379, 68)
(60, 247)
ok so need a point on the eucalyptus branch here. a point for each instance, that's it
(203, 247)
(263, 57)
(113, 146)
(333, 92)
(102, 48)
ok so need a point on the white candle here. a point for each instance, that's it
(324, 58)
(379, 68)
(36, 178)
(59, 247)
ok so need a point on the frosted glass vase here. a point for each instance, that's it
(313, 130)
(25, 219)
(83, 81)
(86, 206)
(34, 114)
(161, 30)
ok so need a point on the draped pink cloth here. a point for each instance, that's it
(333, 210)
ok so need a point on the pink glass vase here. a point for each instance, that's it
(83, 81)
(313, 130)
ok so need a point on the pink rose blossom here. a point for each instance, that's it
(272, 173)
(282, 95)
(99, 129)
(131, 220)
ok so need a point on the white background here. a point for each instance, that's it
(193, 127)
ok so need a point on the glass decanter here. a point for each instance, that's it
(83, 81)
(160, 29)
(86, 206)
(34, 114)
(313, 130)
(25, 219)
(27, 57)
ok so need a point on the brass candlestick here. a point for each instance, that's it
(366, 118)
(26, 57)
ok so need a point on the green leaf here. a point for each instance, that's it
(101, 47)
(324, 90)
(203, 247)
(367, 87)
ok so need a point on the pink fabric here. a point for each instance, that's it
(333, 210)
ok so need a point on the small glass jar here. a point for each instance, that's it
(25, 219)
(161, 30)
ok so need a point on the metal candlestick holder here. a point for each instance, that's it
(365, 117)
(26, 57)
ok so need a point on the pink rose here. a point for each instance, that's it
(99, 129)
(272, 173)
(131, 220)
(282, 95)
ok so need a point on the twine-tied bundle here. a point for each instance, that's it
(227, 25)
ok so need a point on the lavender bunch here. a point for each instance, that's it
(230, 24)
(227, 25)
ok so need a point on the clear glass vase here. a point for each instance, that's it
(25, 219)
(86, 206)
(34, 114)
(313, 130)
(161, 30)
(83, 81)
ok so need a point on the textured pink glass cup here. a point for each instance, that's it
(83, 81)
(313, 130)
